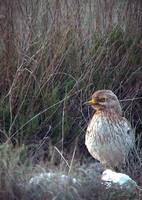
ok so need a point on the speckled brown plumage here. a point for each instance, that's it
(109, 136)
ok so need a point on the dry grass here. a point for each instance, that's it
(83, 182)
(53, 55)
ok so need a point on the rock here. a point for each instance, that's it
(50, 176)
(47, 185)
(111, 177)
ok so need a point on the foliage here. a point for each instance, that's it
(20, 179)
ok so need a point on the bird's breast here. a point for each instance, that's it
(107, 134)
(99, 130)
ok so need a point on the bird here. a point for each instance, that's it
(109, 136)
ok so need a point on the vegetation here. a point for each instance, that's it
(53, 55)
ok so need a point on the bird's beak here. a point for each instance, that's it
(92, 102)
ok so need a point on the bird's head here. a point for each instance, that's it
(105, 100)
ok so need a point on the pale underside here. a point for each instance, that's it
(109, 141)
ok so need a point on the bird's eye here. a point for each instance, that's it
(102, 99)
